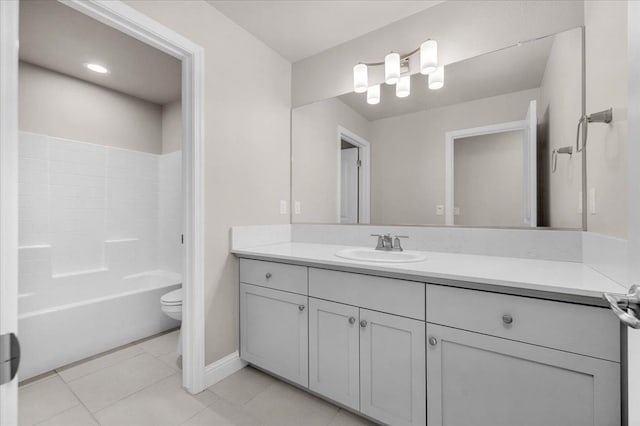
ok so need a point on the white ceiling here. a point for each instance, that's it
(57, 37)
(505, 71)
(301, 28)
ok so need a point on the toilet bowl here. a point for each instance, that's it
(171, 305)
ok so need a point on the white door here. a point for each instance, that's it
(530, 178)
(334, 352)
(349, 185)
(8, 197)
(392, 369)
(274, 332)
(633, 336)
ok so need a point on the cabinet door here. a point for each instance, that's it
(475, 379)
(274, 333)
(392, 368)
(334, 352)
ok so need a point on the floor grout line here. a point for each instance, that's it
(80, 401)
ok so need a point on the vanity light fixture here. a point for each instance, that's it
(436, 79)
(360, 78)
(392, 68)
(396, 71)
(373, 95)
(97, 68)
(403, 88)
(428, 56)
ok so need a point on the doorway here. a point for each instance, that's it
(354, 194)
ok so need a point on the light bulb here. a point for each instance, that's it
(436, 79)
(360, 78)
(373, 95)
(403, 88)
(392, 68)
(428, 57)
(97, 68)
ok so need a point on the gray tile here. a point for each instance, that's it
(164, 403)
(243, 385)
(223, 413)
(161, 345)
(44, 399)
(294, 407)
(346, 418)
(173, 360)
(76, 416)
(104, 387)
(81, 369)
(206, 397)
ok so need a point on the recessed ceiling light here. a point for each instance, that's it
(97, 68)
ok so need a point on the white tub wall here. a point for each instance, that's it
(84, 200)
(64, 336)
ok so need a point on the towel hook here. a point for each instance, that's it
(554, 156)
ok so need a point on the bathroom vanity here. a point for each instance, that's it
(407, 344)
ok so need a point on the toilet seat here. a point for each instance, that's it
(172, 298)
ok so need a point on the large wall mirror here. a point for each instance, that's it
(494, 147)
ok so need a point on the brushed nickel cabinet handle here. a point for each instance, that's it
(268, 275)
(352, 320)
(433, 341)
(507, 319)
(363, 323)
(301, 308)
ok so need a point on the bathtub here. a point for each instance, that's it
(78, 316)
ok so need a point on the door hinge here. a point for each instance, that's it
(359, 163)
(9, 357)
(181, 238)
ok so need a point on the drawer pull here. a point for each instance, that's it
(352, 320)
(433, 341)
(363, 323)
(301, 308)
(507, 319)
(268, 275)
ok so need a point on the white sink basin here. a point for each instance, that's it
(371, 255)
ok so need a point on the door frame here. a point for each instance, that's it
(9, 20)
(128, 20)
(364, 174)
(529, 173)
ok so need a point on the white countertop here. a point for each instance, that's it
(511, 275)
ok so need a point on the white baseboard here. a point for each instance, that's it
(222, 368)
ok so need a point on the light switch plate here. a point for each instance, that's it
(283, 206)
(439, 210)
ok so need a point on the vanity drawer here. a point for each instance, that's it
(569, 327)
(279, 276)
(388, 295)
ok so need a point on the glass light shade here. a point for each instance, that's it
(428, 57)
(403, 88)
(436, 79)
(360, 78)
(392, 68)
(373, 95)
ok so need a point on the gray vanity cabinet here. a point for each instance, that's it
(334, 351)
(392, 368)
(481, 380)
(274, 331)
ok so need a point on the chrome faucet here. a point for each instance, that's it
(388, 243)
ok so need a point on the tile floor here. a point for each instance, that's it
(141, 385)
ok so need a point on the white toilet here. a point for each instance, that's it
(171, 305)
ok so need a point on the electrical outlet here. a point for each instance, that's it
(580, 202)
(283, 206)
(296, 207)
(439, 210)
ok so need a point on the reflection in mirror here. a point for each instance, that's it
(476, 152)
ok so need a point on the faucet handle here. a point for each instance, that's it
(396, 242)
(380, 244)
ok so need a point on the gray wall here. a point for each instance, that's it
(172, 127)
(247, 158)
(488, 184)
(58, 105)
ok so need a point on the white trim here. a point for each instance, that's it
(223, 368)
(124, 18)
(510, 126)
(9, 19)
(364, 190)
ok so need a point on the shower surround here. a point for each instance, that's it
(98, 226)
